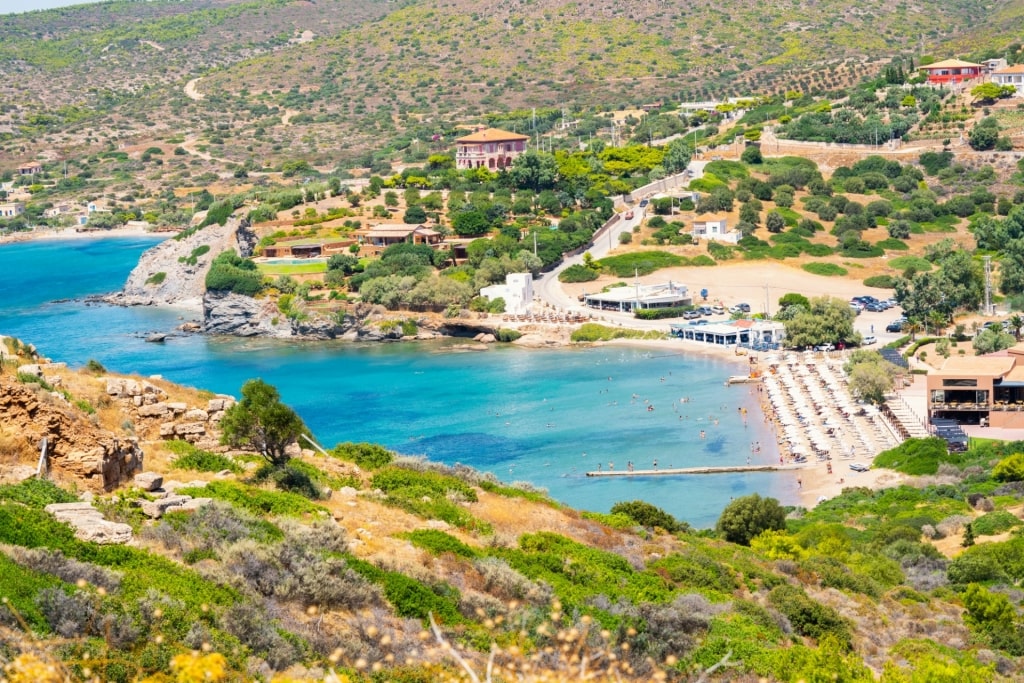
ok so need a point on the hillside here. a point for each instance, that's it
(334, 78)
(343, 563)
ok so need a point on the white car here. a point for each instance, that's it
(869, 340)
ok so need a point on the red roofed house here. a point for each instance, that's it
(952, 71)
(30, 168)
(489, 148)
(1011, 75)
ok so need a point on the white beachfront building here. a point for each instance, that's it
(625, 299)
(756, 334)
(517, 292)
(1011, 75)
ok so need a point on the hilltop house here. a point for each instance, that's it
(490, 148)
(952, 71)
(306, 248)
(1011, 75)
(31, 168)
(714, 228)
(386, 234)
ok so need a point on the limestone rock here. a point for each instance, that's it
(196, 415)
(186, 428)
(167, 429)
(149, 481)
(157, 508)
(89, 524)
(154, 410)
(177, 407)
(193, 504)
(31, 369)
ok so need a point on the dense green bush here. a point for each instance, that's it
(696, 571)
(369, 456)
(37, 493)
(256, 500)
(809, 618)
(746, 517)
(218, 213)
(880, 281)
(156, 278)
(430, 495)
(1010, 468)
(578, 273)
(594, 332)
(648, 515)
(411, 598)
(827, 269)
(438, 542)
(229, 272)
(192, 458)
(914, 456)
(660, 313)
(995, 523)
(639, 262)
(507, 335)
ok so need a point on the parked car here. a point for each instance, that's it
(629, 215)
(744, 307)
(717, 310)
(869, 340)
(735, 309)
(825, 347)
(857, 306)
(644, 202)
(690, 315)
(875, 307)
(896, 325)
(705, 310)
(859, 467)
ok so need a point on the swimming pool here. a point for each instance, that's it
(278, 261)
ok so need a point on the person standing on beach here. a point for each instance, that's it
(655, 464)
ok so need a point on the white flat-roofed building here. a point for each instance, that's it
(626, 299)
(755, 334)
(517, 292)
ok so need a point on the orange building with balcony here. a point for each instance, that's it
(489, 148)
(986, 390)
(952, 71)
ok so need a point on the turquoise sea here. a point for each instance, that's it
(543, 416)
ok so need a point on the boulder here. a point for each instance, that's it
(149, 481)
(167, 429)
(157, 508)
(32, 369)
(186, 428)
(178, 407)
(214, 405)
(154, 410)
(196, 415)
(89, 524)
(487, 339)
(193, 504)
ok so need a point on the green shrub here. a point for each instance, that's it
(827, 269)
(192, 458)
(507, 335)
(696, 571)
(95, 367)
(892, 244)
(647, 515)
(256, 500)
(919, 264)
(37, 493)
(578, 273)
(369, 456)
(593, 332)
(995, 523)
(660, 313)
(880, 281)
(914, 456)
(1010, 468)
(703, 260)
(230, 272)
(642, 262)
(156, 278)
(411, 598)
(809, 618)
(430, 495)
(218, 213)
(438, 542)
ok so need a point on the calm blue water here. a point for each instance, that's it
(541, 416)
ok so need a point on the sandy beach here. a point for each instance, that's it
(41, 234)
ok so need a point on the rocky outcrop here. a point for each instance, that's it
(89, 523)
(157, 417)
(77, 450)
(237, 315)
(174, 271)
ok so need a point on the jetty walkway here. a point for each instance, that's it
(696, 470)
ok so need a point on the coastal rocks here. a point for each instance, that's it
(149, 481)
(77, 450)
(89, 523)
(237, 315)
(174, 271)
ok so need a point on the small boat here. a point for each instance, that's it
(742, 379)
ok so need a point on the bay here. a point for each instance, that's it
(542, 416)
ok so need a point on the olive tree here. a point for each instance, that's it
(261, 422)
(746, 517)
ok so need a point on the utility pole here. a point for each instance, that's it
(767, 312)
(988, 284)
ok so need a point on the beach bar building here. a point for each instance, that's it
(760, 335)
(626, 299)
(986, 390)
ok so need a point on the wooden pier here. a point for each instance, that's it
(696, 470)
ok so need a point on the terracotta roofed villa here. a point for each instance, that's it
(952, 71)
(489, 148)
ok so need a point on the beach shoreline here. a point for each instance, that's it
(53, 234)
